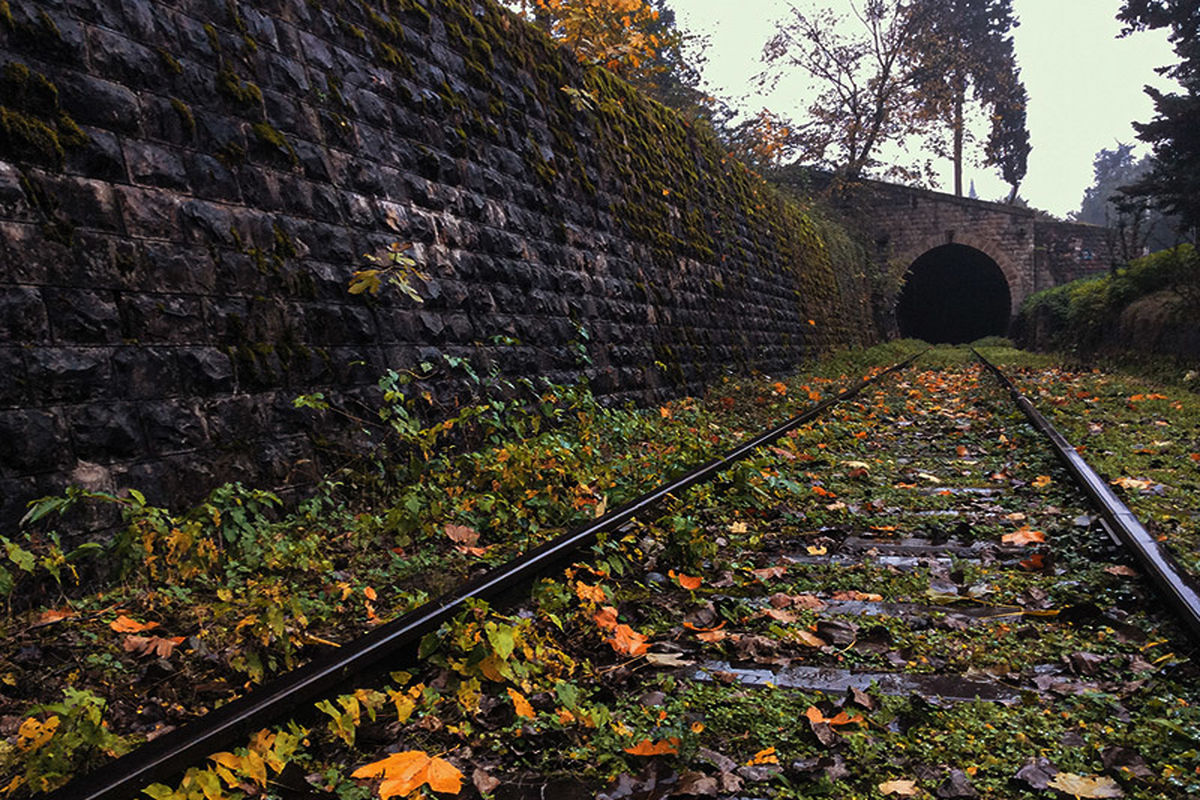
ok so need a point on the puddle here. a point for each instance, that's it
(899, 562)
(982, 491)
(828, 679)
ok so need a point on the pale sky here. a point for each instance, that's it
(1084, 84)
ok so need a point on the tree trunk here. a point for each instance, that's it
(958, 141)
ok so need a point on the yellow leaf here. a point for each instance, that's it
(594, 594)
(524, 709)
(1041, 482)
(764, 757)
(901, 788)
(34, 733)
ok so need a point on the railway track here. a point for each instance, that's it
(900, 592)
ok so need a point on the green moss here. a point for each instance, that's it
(243, 93)
(353, 30)
(169, 61)
(32, 126)
(394, 58)
(29, 139)
(55, 226)
(388, 28)
(214, 40)
(284, 246)
(269, 135)
(21, 87)
(185, 115)
(231, 155)
(6, 16)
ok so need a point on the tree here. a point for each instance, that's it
(964, 50)
(1135, 224)
(1173, 182)
(636, 39)
(865, 80)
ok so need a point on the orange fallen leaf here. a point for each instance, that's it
(461, 534)
(686, 581)
(1132, 483)
(780, 615)
(594, 594)
(404, 773)
(1023, 536)
(766, 756)
(1034, 562)
(371, 594)
(52, 615)
(841, 718)
(522, 706)
(667, 747)
(1041, 482)
(124, 624)
(472, 551)
(606, 618)
(626, 641)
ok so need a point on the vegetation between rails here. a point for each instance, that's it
(584, 682)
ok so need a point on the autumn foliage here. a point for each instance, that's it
(620, 35)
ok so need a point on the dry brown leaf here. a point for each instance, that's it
(160, 646)
(767, 573)
(461, 534)
(1123, 571)
(858, 597)
(808, 639)
(779, 615)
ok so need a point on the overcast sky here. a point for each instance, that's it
(1085, 85)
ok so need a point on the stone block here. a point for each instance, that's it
(23, 315)
(162, 318)
(173, 426)
(68, 374)
(82, 316)
(96, 101)
(145, 372)
(150, 213)
(154, 165)
(32, 441)
(104, 432)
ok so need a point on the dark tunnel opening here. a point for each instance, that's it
(954, 294)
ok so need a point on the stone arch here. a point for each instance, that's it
(954, 293)
(1020, 281)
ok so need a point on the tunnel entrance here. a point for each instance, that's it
(954, 294)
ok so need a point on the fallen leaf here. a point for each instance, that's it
(814, 550)
(686, 581)
(667, 747)
(606, 618)
(52, 615)
(160, 646)
(461, 534)
(900, 788)
(1023, 536)
(1123, 571)
(1035, 562)
(857, 596)
(472, 551)
(1092, 786)
(485, 783)
(370, 593)
(668, 660)
(1132, 483)
(738, 527)
(766, 756)
(594, 594)
(124, 624)
(841, 718)
(626, 641)
(522, 706)
(779, 615)
(767, 573)
(404, 773)
(1041, 482)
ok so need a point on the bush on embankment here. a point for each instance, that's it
(1149, 307)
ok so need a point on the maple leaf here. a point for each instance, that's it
(1090, 787)
(161, 646)
(667, 747)
(901, 788)
(1023, 536)
(626, 641)
(606, 618)
(524, 709)
(686, 581)
(404, 773)
(594, 594)
(34, 733)
(461, 534)
(124, 624)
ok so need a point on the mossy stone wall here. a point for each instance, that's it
(186, 187)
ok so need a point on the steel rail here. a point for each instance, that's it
(220, 728)
(1177, 587)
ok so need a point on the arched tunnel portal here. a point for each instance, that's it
(954, 294)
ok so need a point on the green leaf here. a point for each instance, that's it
(502, 639)
(24, 559)
(159, 791)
